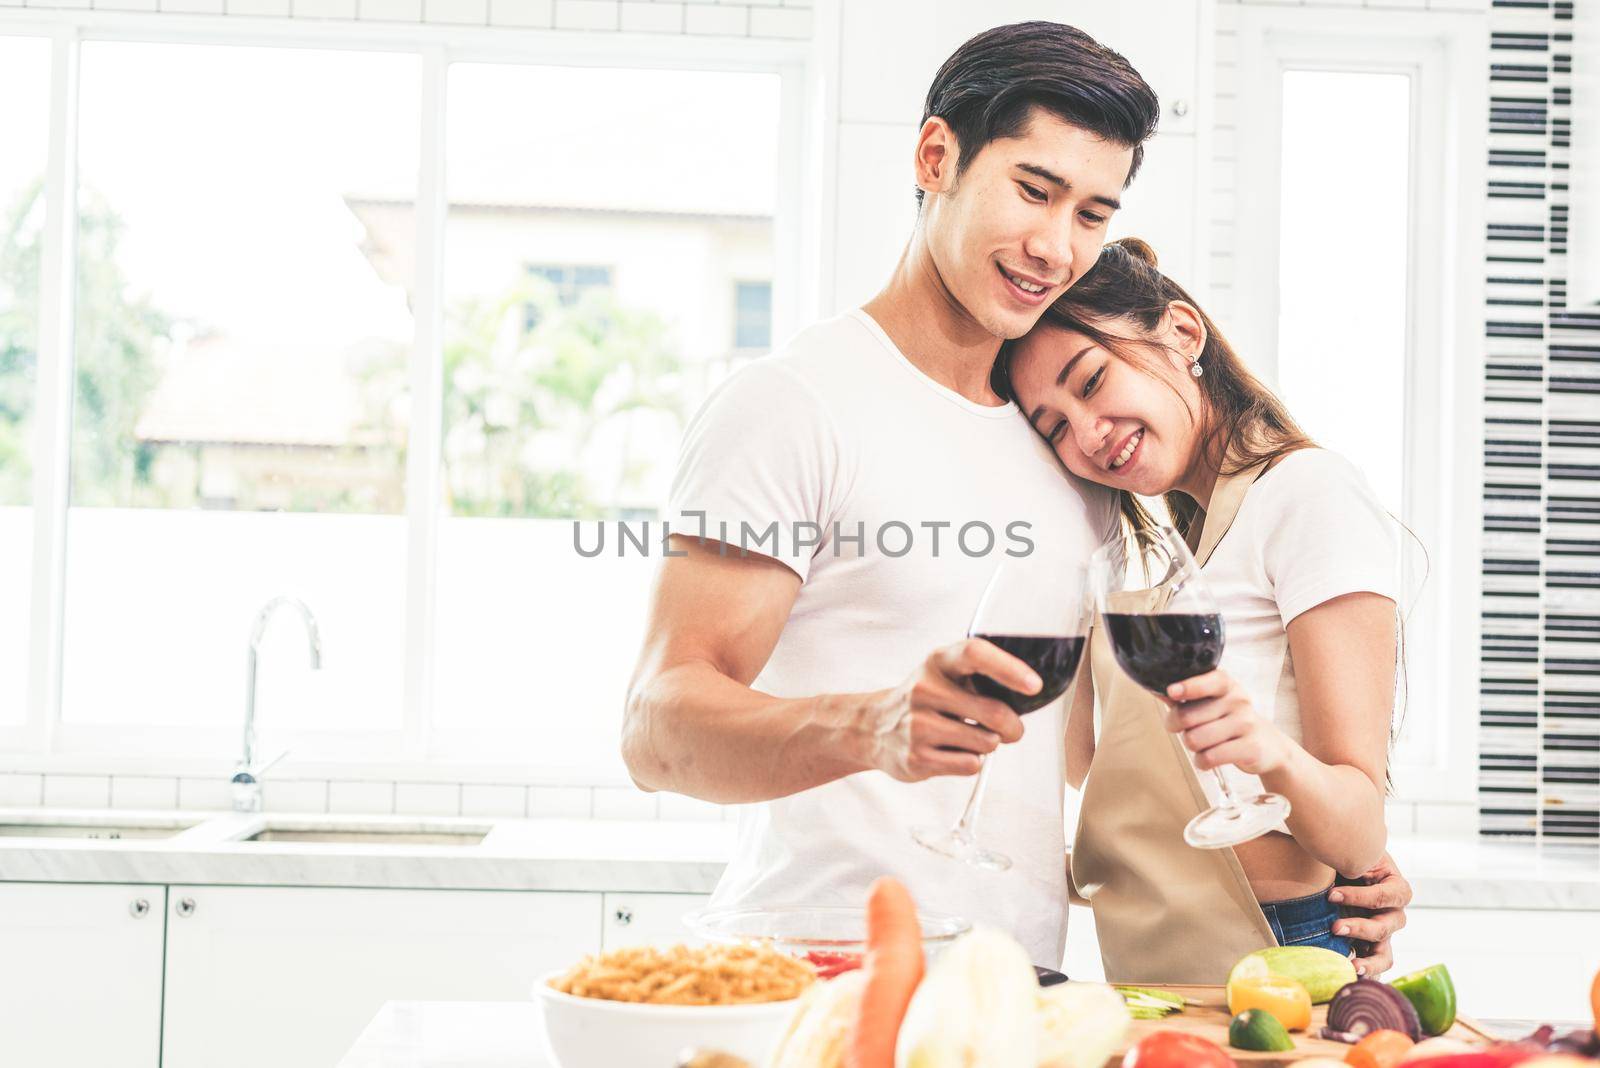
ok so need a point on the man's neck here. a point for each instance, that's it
(932, 329)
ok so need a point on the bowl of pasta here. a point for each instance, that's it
(642, 1004)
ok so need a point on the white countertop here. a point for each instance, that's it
(644, 856)
(453, 1034)
(509, 1034)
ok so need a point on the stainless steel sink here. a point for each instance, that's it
(61, 829)
(369, 837)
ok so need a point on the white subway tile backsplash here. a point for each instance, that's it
(1447, 819)
(324, 9)
(456, 12)
(538, 14)
(650, 16)
(392, 10)
(126, 5)
(482, 800)
(623, 803)
(678, 807)
(192, 7)
(718, 21)
(267, 8)
(21, 791)
(427, 799)
(142, 791)
(586, 14)
(288, 795)
(1400, 817)
(785, 23)
(364, 797)
(77, 791)
(574, 802)
(204, 794)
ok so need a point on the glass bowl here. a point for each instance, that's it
(833, 938)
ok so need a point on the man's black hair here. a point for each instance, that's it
(988, 88)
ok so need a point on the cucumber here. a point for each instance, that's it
(1259, 1031)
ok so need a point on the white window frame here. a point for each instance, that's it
(43, 742)
(1446, 56)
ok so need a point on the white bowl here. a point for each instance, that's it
(596, 1033)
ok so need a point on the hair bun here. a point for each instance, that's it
(1139, 250)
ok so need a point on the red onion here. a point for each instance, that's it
(1366, 1005)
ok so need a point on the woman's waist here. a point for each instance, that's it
(1279, 869)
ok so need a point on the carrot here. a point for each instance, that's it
(893, 970)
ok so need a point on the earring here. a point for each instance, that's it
(1194, 366)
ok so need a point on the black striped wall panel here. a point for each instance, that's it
(1539, 729)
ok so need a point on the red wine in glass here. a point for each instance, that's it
(1181, 636)
(1159, 650)
(1034, 609)
(1055, 659)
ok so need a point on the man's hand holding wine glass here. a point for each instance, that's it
(920, 729)
(1218, 724)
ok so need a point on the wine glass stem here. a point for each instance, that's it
(969, 815)
(1227, 794)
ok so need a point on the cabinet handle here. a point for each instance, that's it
(1180, 108)
(139, 908)
(624, 917)
(185, 907)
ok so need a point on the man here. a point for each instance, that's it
(863, 463)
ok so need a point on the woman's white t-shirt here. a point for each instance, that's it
(1310, 529)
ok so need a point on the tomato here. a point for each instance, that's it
(1381, 1049)
(829, 965)
(1174, 1049)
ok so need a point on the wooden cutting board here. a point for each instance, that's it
(1210, 1020)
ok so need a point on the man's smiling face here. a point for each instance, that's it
(1026, 218)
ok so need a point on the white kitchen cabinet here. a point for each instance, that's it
(1162, 207)
(648, 919)
(1507, 963)
(262, 977)
(80, 975)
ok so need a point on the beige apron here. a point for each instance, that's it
(1165, 912)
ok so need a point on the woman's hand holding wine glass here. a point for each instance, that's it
(1218, 724)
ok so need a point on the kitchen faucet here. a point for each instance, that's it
(246, 779)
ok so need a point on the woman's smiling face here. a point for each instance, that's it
(1131, 427)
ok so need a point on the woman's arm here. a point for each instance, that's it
(1343, 652)
(1344, 671)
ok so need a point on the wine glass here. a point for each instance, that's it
(1035, 609)
(1177, 637)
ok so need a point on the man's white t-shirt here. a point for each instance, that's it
(894, 499)
(1309, 529)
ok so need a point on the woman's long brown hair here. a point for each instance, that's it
(1242, 421)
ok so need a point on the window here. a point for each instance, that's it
(239, 423)
(568, 284)
(1360, 205)
(302, 363)
(24, 134)
(579, 415)
(753, 315)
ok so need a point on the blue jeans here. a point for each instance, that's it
(1307, 921)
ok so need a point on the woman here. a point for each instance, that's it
(1135, 389)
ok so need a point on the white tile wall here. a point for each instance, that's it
(21, 790)
(77, 791)
(587, 15)
(770, 19)
(138, 791)
(427, 799)
(204, 794)
(288, 795)
(623, 803)
(367, 797)
(480, 800)
(678, 807)
(575, 802)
